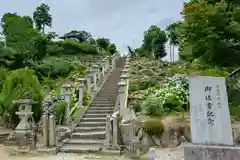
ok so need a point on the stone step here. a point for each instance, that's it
(97, 119)
(101, 107)
(90, 129)
(84, 141)
(89, 115)
(101, 111)
(89, 135)
(78, 148)
(92, 124)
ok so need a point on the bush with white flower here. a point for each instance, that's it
(178, 80)
(172, 97)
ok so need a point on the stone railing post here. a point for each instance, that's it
(94, 74)
(81, 82)
(25, 127)
(115, 132)
(113, 59)
(103, 66)
(122, 96)
(67, 92)
(124, 71)
(96, 68)
(124, 78)
(108, 139)
(134, 143)
(89, 81)
(107, 63)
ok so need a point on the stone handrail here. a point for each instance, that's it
(99, 73)
(95, 79)
(122, 112)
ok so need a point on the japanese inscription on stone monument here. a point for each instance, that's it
(210, 118)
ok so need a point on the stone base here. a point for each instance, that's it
(202, 152)
(44, 150)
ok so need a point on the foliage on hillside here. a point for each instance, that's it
(35, 61)
(161, 88)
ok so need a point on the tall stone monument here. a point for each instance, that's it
(210, 121)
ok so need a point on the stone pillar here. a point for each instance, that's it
(122, 96)
(67, 92)
(45, 130)
(52, 131)
(96, 68)
(124, 78)
(103, 65)
(81, 91)
(88, 78)
(47, 104)
(108, 132)
(124, 71)
(116, 134)
(107, 63)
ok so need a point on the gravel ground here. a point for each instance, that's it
(8, 153)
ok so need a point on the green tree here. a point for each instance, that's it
(25, 41)
(103, 43)
(210, 33)
(42, 17)
(112, 49)
(153, 43)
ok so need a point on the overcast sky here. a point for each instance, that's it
(122, 21)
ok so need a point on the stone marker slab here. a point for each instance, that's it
(202, 152)
(210, 118)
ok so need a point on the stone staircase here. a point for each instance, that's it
(89, 135)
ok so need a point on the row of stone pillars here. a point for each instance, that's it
(91, 82)
(26, 130)
(112, 125)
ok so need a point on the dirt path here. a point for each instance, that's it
(8, 153)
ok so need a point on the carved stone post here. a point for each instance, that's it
(134, 143)
(122, 96)
(124, 71)
(24, 129)
(94, 74)
(103, 65)
(116, 134)
(88, 78)
(107, 63)
(52, 132)
(96, 68)
(81, 91)
(67, 92)
(108, 139)
(47, 103)
(124, 78)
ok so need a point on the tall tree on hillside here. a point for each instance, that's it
(173, 37)
(42, 17)
(154, 42)
(103, 43)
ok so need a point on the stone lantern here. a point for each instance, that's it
(25, 128)
(67, 92)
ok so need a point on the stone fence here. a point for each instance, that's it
(122, 124)
(92, 82)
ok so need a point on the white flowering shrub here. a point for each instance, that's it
(177, 80)
(172, 97)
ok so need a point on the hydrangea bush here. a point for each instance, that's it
(172, 97)
(177, 80)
